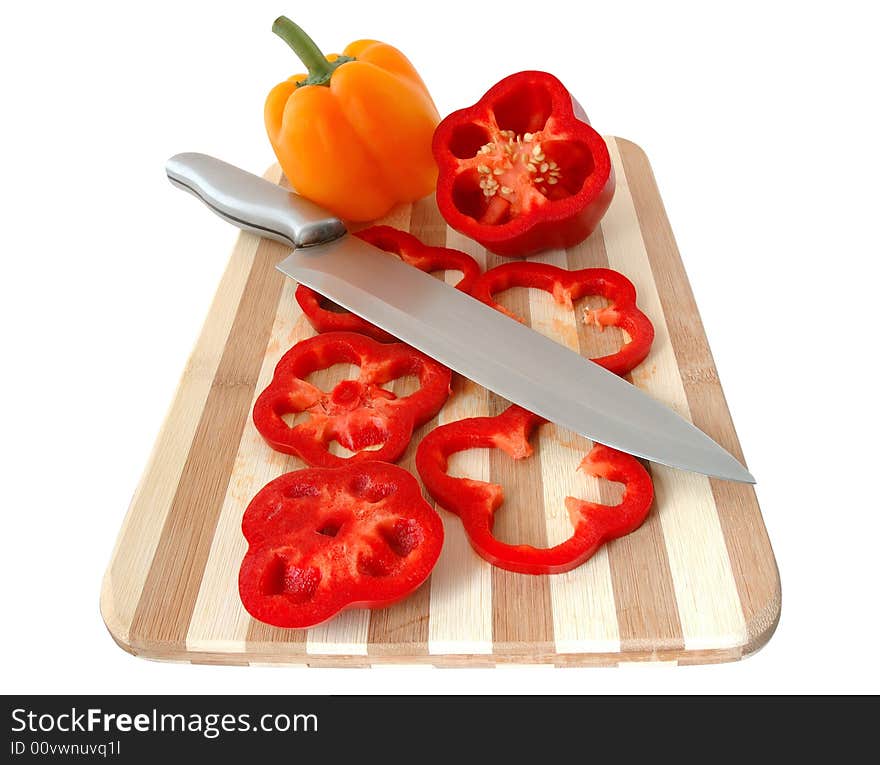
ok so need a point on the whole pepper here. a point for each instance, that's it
(354, 135)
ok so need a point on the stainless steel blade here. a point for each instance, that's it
(471, 338)
(505, 356)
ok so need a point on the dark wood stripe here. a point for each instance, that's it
(426, 223)
(522, 616)
(644, 596)
(402, 629)
(264, 637)
(751, 555)
(166, 603)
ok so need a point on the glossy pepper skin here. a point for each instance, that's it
(410, 250)
(566, 287)
(522, 170)
(358, 413)
(476, 502)
(325, 539)
(354, 135)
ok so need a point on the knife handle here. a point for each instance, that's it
(253, 203)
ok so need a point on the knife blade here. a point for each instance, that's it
(471, 338)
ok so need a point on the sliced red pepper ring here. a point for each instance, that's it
(568, 286)
(325, 539)
(410, 250)
(476, 502)
(522, 170)
(357, 413)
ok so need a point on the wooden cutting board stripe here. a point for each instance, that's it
(461, 584)
(696, 583)
(584, 616)
(708, 603)
(645, 603)
(393, 630)
(180, 557)
(217, 615)
(139, 537)
(516, 521)
(740, 517)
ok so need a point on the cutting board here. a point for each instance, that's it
(696, 583)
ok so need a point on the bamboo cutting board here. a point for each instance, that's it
(696, 583)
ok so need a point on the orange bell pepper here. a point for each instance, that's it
(354, 135)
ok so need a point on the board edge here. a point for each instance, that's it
(118, 629)
(762, 626)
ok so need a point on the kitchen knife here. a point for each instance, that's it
(484, 345)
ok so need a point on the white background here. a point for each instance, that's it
(761, 123)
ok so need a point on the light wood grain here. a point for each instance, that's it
(403, 627)
(696, 583)
(461, 584)
(219, 614)
(521, 519)
(141, 530)
(584, 618)
(644, 599)
(705, 590)
(751, 555)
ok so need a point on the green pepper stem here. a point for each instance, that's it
(320, 69)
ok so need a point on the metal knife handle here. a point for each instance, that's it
(253, 203)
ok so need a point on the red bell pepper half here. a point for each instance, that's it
(410, 250)
(357, 413)
(522, 170)
(324, 539)
(476, 502)
(568, 286)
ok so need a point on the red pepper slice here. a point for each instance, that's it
(357, 413)
(410, 250)
(522, 170)
(475, 502)
(325, 539)
(568, 286)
